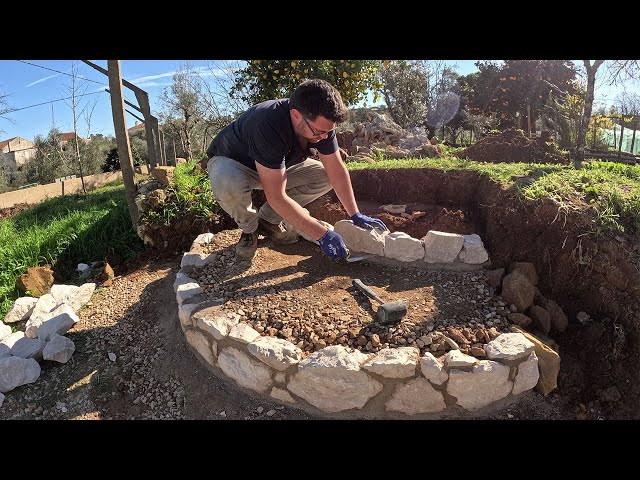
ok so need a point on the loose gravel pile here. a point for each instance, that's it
(293, 292)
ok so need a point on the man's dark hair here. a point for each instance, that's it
(318, 97)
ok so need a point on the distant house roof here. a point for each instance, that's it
(136, 128)
(15, 144)
(65, 137)
(4, 143)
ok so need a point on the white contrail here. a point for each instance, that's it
(42, 80)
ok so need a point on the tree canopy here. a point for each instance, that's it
(264, 80)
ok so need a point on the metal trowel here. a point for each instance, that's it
(358, 257)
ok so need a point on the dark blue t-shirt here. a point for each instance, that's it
(264, 134)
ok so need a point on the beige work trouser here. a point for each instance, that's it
(232, 183)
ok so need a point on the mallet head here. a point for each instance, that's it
(391, 312)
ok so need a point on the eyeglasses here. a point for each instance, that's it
(315, 132)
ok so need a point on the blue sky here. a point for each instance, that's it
(41, 81)
(27, 84)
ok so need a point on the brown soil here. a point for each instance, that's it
(578, 267)
(13, 210)
(294, 292)
(581, 271)
(513, 146)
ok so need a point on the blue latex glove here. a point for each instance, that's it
(368, 223)
(332, 245)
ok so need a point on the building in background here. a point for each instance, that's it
(137, 129)
(66, 137)
(14, 153)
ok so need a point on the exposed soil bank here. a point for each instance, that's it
(580, 270)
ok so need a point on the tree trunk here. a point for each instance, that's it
(586, 113)
(432, 132)
(175, 154)
(621, 137)
(75, 131)
(163, 148)
(78, 157)
(633, 137)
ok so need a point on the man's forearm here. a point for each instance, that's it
(341, 183)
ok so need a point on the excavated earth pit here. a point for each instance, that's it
(292, 292)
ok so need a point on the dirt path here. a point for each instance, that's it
(154, 375)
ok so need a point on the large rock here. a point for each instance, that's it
(61, 320)
(473, 251)
(486, 383)
(403, 247)
(394, 362)
(164, 175)
(541, 318)
(528, 375)
(247, 371)
(359, 239)
(59, 349)
(518, 290)
(416, 396)
(74, 296)
(432, 369)
(559, 320)
(442, 247)
(200, 342)
(16, 371)
(5, 330)
(548, 362)
(21, 309)
(509, 346)
(331, 379)
(37, 281)
(26, 347)
(525, 268)
(275, 352)
(215, 321)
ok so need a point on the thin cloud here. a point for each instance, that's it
(151, 83)
(148, 80)
(42, 80)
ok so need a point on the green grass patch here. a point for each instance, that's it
(189, 193)
(613, 189)
(67, 229)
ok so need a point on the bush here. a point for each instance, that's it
(112, 162)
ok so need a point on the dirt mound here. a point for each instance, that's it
(176, 237)
(13, 210)
(513, 146)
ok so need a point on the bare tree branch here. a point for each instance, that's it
(5, 108)
(621, 71)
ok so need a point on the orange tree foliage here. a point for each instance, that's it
(264, 80)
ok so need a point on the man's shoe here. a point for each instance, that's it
(277, 232)
(247, 245)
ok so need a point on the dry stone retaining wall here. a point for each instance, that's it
(339, 379)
